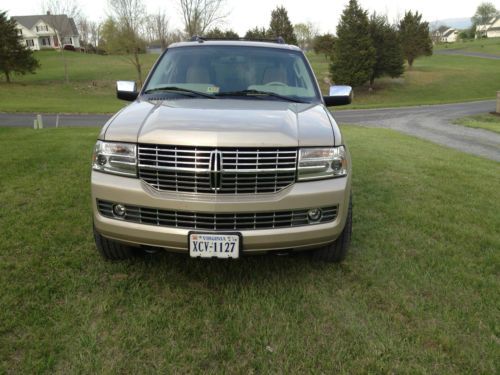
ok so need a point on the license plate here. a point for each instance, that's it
(214, 245)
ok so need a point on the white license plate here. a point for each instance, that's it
(205, 245)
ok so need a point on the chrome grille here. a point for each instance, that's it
(217, 171)
(216, 221)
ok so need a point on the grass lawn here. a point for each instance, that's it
(418, 292)
(487, 122)
(490, 46)
(433, 80)
(91, 88)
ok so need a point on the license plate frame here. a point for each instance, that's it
(230, 237)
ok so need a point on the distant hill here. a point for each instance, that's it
(456, 23)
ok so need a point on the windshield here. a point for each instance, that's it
(234, 71)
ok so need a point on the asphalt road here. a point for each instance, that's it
(432, 123)
(466, 53)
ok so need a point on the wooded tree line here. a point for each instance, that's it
(363, 49)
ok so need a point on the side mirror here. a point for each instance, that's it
(339, 95)
(126, 90)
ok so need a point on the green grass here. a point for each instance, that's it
(436, 79)
(91, 88)
(488, 122)
(418, 292)
(490, 46)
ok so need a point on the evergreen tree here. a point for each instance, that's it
(389, 54)
(217, 33)
(353, 54)
(281, 26)
(15, 57)
(415, 37)
(257, 33)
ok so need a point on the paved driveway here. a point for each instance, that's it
(432, 123)
(460, 52)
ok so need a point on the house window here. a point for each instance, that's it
(42, 28)
(30, 43)
(19, 32)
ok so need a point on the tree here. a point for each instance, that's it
(305, 33)
(217, 33)
(55, 9)
(125, 24)
(257, 33)
(324, 44)
(201, 15)
(84, 31)
(485, 12)
(353, 55)
(389, 60)
(280, 25)
(14, 56)
(415, 37)
(157, 28)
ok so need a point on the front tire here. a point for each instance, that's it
(337, 251)
(112, 250)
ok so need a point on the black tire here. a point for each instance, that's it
(337, 251)
(112, 250)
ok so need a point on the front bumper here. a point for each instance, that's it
(303, 195)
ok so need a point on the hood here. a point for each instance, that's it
(222, 123)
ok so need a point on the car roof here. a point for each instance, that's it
(238, 43)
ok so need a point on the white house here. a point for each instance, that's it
(445, 34)
(39, 32)
(490, 30)
(450, 36)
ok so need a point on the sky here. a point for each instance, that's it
(246, 14)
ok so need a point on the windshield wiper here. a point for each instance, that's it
(179, 90)
(258, 93)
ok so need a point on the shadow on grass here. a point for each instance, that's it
(271, 269)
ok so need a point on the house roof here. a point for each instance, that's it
(65, 23)
(449, 32)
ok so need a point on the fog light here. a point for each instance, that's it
(119, 210)
(314, 214)
(101, 159)
(336, 165)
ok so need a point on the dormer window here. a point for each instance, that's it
(42, 28)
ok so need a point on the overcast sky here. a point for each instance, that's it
(246, 14)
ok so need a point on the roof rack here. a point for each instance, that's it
(201, 39)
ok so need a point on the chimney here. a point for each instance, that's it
(48, 13)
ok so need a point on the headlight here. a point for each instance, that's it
(116, 158)
(324, 162)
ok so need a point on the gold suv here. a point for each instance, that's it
(227, 150)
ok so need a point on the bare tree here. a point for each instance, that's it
(56, 10)
(95, 33)
(201, 15)
(84, 31)
(129, 17)
(157, 28)
(305, 33)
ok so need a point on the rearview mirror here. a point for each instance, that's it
(339, 95)
(126, 90)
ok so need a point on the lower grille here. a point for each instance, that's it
(213, 221)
